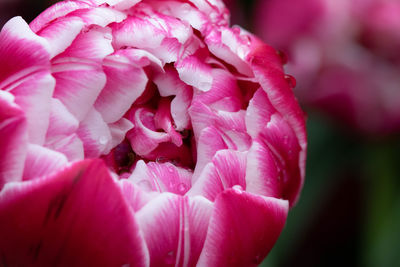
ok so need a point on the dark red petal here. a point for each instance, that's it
(77, 217)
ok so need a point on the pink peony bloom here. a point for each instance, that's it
(344, 55)
(143, 133)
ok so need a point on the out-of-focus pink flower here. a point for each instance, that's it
(344, 55)
(146, 133)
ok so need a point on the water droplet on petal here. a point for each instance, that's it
(290, 80)
(182, 188)
(103, 140)
(237, 189)
(161, 159)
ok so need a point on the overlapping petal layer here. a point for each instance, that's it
(200, 144)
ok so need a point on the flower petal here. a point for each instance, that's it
(57, 10)
(267, 69)
(95, 135)
(228, 168)
(34, 96)
(262, 175)
(72, 216)
(243, 228)
(187, 222)
(13, 141)
(41, 161)
(79, 73)
(71, 146)
(126, 81)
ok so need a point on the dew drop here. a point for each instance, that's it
(161, 159)
(103, 140)
(182, 188)
(290, 80)
(237, 189)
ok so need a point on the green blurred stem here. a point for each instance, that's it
(382, 226)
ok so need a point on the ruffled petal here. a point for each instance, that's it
(152, 34)
(65, 211)
(243, 228)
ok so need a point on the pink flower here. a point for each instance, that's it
(143, 133)
(344, 55)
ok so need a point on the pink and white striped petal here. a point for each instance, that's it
(162, 177)
(210, 142)
(100, 16)
(61, 33)
(59, 9)
(34, 95)
(228, 45)
(224, 93)
(279, 91)
(262, 176)
(150, 35)
(118, 131)
(41, 161)
(243, 229)
(71, 146)
(281, 139)
(126, 81)
(258, 113)
(186, 220)
(79, 73)
(95, 135)
(64, 212)
(169, 84)
(22, 53)
(144, 136)
(194, 64)
(61, 122)
(227, 169)
(13, 141)
(135, 196)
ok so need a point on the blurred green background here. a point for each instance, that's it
(349, 210)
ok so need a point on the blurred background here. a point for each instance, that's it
(345, 56)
